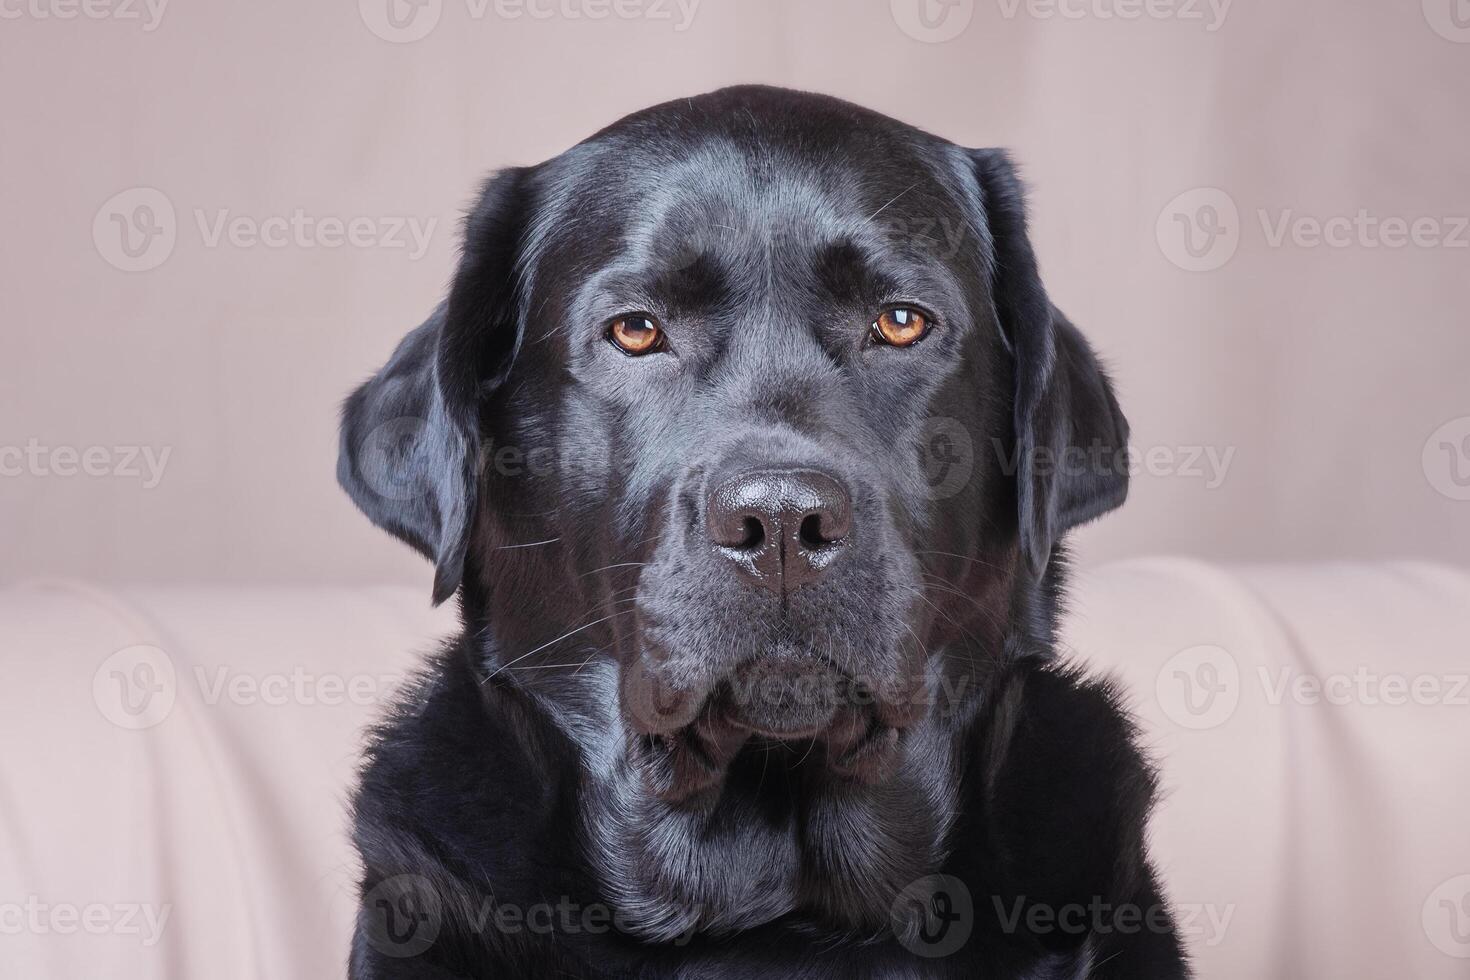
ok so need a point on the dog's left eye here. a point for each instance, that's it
(635, 334)
(900, 326)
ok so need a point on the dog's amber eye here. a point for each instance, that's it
(900, 326)
(635, 334)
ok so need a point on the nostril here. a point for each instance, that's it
(811, 534)
(753, 534)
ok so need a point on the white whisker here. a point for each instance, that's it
(533, 544)
(895, 198)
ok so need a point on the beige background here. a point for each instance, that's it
(1334, 379)
(1324, 370)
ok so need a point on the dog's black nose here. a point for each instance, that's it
(781, 527)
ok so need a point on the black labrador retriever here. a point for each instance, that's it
(747, 436)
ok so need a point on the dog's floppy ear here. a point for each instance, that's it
(1071, 437)
(410, 441)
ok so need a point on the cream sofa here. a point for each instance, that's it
(176, 761)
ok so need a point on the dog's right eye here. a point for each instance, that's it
(902, 326)
(635, 334)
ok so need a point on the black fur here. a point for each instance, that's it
(575, 787)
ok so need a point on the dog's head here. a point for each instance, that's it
(756, 403)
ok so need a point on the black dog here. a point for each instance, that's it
(747, 436)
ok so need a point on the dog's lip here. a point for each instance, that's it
(751, 698)
(687, 766)
(689, 738)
